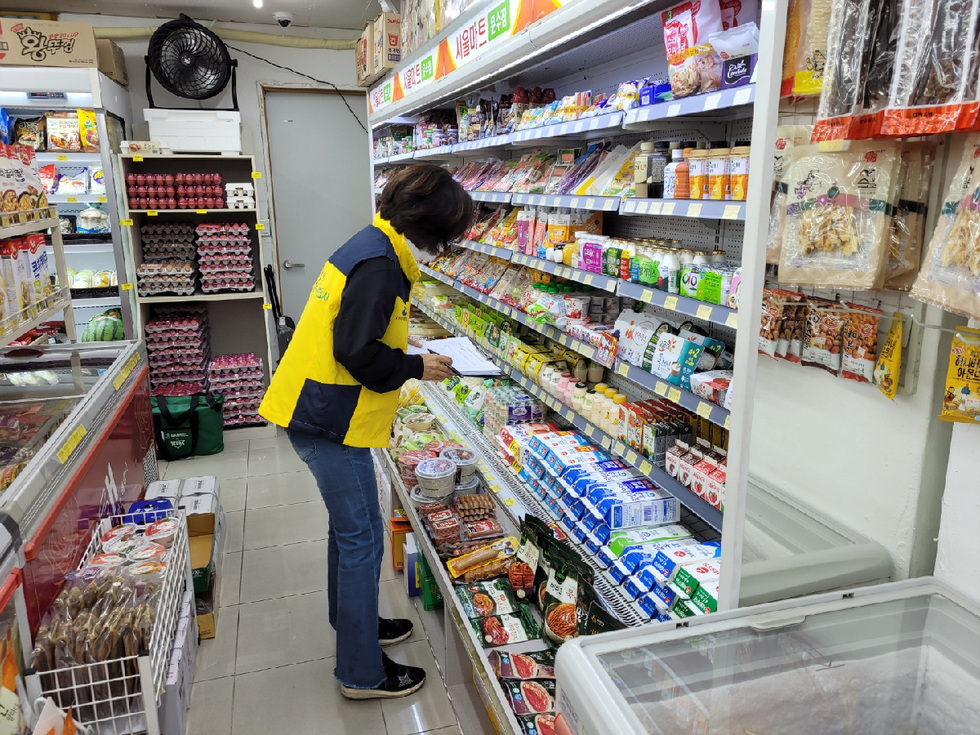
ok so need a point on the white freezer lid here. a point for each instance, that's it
(896, 658)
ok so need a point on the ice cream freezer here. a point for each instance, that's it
(897, 658)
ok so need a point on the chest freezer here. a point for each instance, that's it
(900, 658)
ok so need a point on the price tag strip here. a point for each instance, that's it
(71, 443)
(125, 372)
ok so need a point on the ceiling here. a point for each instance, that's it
(315, 13)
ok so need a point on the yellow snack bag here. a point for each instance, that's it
(961, 401)
(888, 368)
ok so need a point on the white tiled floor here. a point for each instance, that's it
(270, 668)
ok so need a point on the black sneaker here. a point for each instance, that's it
(392, 631)
(400, 682)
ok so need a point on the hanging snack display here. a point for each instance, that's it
(961, 398)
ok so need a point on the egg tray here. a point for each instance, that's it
(150, 291)
(237, 363)
(219, 249)
(222, 228)
(163, 324)
(169, 229)
(236, 286)
(179, 389)
(212, 272)
(167, 267)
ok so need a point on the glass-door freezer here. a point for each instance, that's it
(900, 658)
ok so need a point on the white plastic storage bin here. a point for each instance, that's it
(196, 131)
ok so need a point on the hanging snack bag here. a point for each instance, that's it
(772, 316)
(811, 53)
(837, 213)
(950, 276)
(859, 340)
(961, 400)
(788, 138)
(888, 368)
(878, 65)
(794, 26)
(839, 96)
(790, 344)
(907, 229)
(822, 335)
(934, 85)
(692, 65)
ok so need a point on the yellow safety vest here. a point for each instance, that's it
(310, 390)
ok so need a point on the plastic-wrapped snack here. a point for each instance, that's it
(878, 65)
(907, 229)
(794, 25)
(811, 53)
(961, 398)
(788, 139)
(935, 79)
(950, 276)
(692, 65)
(888, 368)
(839, 96)
(859, 343)
(837, 213)
(822, 335)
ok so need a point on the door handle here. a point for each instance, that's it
(291, 264)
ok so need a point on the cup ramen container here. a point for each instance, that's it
(465, 461)
(436, 477)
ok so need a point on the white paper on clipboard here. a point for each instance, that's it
(467, 359)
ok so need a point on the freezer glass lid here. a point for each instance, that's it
(902, 666)
(56, 371)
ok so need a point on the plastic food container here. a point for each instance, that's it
(465, 461)
(419, 421)
(436, 477)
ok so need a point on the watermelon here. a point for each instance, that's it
(104, 328)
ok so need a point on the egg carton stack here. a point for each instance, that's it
(178, 347)
(239, 378)
(240, 196)
(224, 251)
(168, 260)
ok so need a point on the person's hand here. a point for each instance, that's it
(436, 367)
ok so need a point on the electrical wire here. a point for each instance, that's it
(307, 76)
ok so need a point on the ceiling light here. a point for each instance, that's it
(257, 3)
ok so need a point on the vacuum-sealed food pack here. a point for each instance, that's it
(811, 51)
(837, 214)
(907, 228)
(839, 95)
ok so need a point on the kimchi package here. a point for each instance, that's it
(934, 88)
(950, 276)
(838, 208)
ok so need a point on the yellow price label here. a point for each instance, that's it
(704, 410)
(646, 466)
(267, 306)
(660, 389)
(632, 457)
(102, 199)
(606, 442)
(668, 208)
(655, 207)
(125, 372)
(61, 157)
(152, 213)
(494, 489)
(670, 302)
(137, 158)
(704, 312)
(256, 174)
(125, 223)
(647, 295)
(202, 211)
(694, 210)
(623, 369)
(563, 340)
(126, 286)
(674, 395)
(71, 443)
(259, 226)
(732, 320)
(731, 211)
(590, 431)
(510, 501)
(728, 421)
(589, 279)
(832, 146)
(71, 200)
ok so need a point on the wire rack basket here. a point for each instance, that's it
(121, 695)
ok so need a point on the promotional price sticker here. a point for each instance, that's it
(71, 200)
(623, 369)
(61, 157)
(267, 306)
(704, 312)
(674, 395)
(126, 286)
(125, 223)
(732, 320)
(256, 174)
(728, 421)
(694, 210)
(510, 501)
(646, 296)
(660, 389)
(71, 443)
(202, 211)
(137, 158)
(152, 213)
(668, 209)
(731, 211)
(124, 373)
(670, 302)
(259, 226)
(704, 410)
(645, 467)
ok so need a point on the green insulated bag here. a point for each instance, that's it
(188, 425)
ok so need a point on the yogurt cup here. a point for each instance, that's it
(436, 477)
(465, 461)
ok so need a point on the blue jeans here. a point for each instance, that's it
(345, 476)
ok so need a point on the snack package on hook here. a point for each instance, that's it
(888, 368)
(811, 53)
(859, 343)
(839, 95)
(907, 228)
(934, 87)
(837, 214)
(794, 27)
(961, 398)
(788, 139)
(950, 275)
(881, 42)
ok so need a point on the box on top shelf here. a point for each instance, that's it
(387, 46)
(112, 61)
(27, 42)
(364, 56)
(196, 131)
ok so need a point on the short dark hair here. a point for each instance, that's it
(425, 204)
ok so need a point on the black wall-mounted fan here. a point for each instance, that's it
(190, 61)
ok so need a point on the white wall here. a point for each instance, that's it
(846, 450)
(958, 559)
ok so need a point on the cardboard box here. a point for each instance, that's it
(112, 61)
(205, 533)
(398, 528)
(169, 489)
(387, 44)
(411, 554)
(207, 611)
(26, 42)
(200, 485)
(364, 57)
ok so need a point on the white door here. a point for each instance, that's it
(321, 185)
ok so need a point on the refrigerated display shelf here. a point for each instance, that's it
(693, 208)
(28, 319)
(700, 104)
(711, 411)
(443, 151)
(491, 197)
(713, 313)
(575, 128)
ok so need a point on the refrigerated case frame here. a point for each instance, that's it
(86, 88)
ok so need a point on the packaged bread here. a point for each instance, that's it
(837, 213)
(950, 276)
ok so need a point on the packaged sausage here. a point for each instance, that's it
(859, 343)
(522, 571)
(950, 276)
(888, 368)
(842, 77)
(811, 53)
(934, 86)
(822, 335)
(837, 214)
(961, 399)
(499, 550)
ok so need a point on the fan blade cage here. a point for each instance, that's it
(188, 60)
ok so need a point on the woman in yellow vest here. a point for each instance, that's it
(336, 392)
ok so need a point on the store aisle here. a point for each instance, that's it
(270, 667)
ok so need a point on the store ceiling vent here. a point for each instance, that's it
(190, 61)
